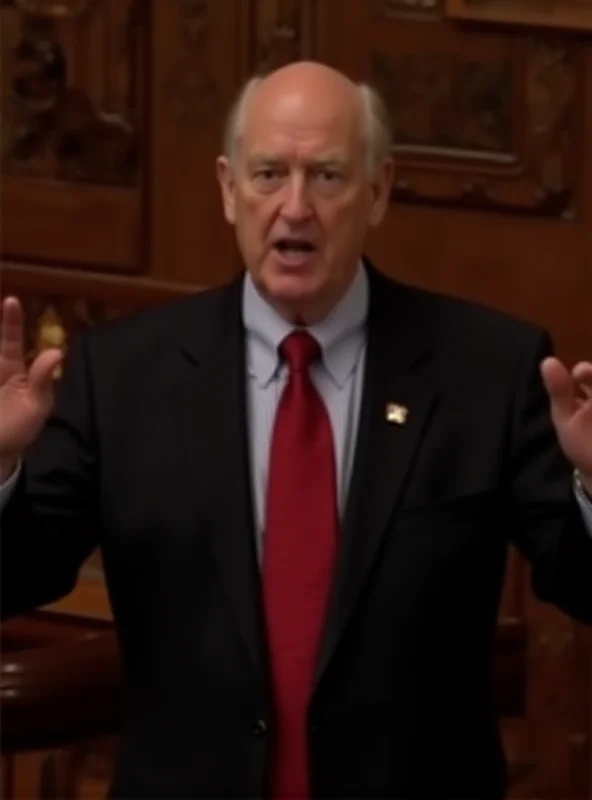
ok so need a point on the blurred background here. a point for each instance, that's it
(112, 113)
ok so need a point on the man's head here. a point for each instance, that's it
(306, 172)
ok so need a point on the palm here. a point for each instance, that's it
(25, 394)
(576, 437)
(571, 408)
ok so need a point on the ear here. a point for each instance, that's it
(381, 192)
(227, 183)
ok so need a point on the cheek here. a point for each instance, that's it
(343, 223)
(257, 216)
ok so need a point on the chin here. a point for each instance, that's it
(293, 287)
(295, 300)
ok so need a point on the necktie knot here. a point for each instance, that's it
(299, 349)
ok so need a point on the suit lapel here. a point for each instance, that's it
(209, 404)
(385, 450)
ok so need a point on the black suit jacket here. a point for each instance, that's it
(146, 455)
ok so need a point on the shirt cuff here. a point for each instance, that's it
(7, 488)
(585, 502)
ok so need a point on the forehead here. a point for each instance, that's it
(296, 124)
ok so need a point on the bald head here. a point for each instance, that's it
(312, 93)
(313, 90)
(307, 172)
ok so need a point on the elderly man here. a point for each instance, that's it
(304, 486)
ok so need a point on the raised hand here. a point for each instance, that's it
(571, 409)
(26, 394)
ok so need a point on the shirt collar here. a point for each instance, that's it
(341, 334)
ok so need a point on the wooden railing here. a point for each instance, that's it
(60, 681)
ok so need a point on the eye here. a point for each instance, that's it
(268, 178)
(327, 176)
(267, 173)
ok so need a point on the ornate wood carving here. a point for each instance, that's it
(51, 320)
(194, 92)
(70, 94)
(284, 33)
(459, 144)
(444, 101)
(49, 333)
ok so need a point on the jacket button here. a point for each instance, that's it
(260, 729)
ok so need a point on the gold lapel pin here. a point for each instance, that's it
(397, 414)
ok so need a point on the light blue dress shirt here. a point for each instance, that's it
(338, 377)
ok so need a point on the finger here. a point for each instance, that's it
(41, 374)
(560, 386)
(11, 339)
(582, 374)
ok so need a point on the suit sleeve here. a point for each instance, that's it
(549, 527)
(49, 524)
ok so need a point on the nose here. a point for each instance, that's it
(296, 206)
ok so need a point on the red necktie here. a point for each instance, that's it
(299, 550)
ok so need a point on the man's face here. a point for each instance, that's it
(301, 199)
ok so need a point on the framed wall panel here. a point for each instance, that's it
(565, 14)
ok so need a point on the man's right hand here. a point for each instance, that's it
(26, 394)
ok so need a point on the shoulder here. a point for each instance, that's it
(196, 318)
(146, 345)
(457, 326)
(166, 320)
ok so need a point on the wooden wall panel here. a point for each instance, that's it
(72, 104)
(493, 127)
(199, 58)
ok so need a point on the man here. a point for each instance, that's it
(304, 486)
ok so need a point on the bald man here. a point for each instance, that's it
(303, 485)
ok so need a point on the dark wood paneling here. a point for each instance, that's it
(72, 149)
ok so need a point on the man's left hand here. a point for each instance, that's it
(571, 409)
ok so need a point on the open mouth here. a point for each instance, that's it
(293, 247)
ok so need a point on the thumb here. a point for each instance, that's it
(41, 374)
(560, 387)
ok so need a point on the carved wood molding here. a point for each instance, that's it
(191, 82)
(284, 33)
(54, 8)
(50, 321)
(398, 8)
(486, 136)
(71, 91)
(567, 14)
(59, 303)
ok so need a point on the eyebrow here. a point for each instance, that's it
(331, 159)
(264, 158)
